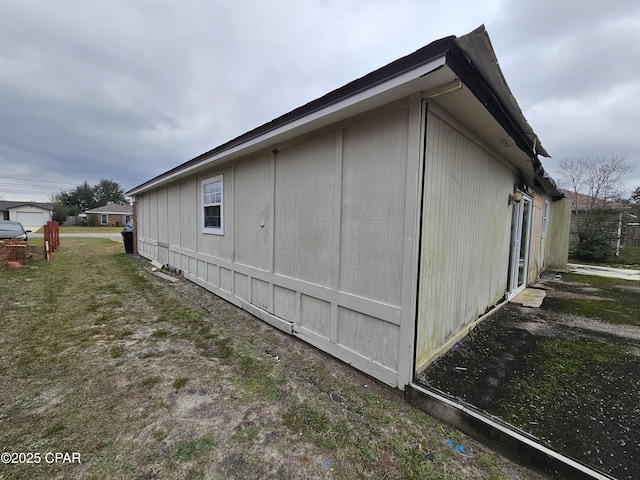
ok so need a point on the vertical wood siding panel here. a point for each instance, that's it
(163, 235)
(285, 303)
(466, 221)
(304, 210)
(372, 229)
(188, 215)
(535, 240)
(241, 286)
(252, 212)
(153, 224)
(315, 315)
(558, 234)
(261, 295)
(146, 219)
(226, 280)
(375, 339)
(173, 211)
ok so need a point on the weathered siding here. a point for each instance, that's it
(536, 256)
(372, 220)
(557, 243)
(314, 236)
(304, 195)
(465, 234)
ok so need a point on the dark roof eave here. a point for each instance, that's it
(489, 87)
(420, 57)
(502, 107)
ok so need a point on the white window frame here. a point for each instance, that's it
(545, 219)
(104, 218)
(208, 181)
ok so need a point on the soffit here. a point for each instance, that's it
(469, 111)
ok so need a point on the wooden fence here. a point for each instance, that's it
(51, 238)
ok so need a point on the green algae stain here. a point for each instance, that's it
(570, 391)
(616, 301)
(604, 310)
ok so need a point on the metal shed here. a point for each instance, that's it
(377, 222)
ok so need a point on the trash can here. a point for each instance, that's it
(127, 237)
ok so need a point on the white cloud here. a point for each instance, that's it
(128, 89)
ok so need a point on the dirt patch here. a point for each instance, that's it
(148, 379)
(571, 380)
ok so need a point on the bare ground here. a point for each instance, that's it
(148, 379)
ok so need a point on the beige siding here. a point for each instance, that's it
(314, 237)
(189, 217)
(252, 212)
(535, 259)
(322, 236)
(557, 243)
(217, 246)
(173, 214)
(373, 201)
(465, 235)
(304, 196)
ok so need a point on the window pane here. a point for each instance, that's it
(212, 193)
(212, 217)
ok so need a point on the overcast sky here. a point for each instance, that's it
(127, 89)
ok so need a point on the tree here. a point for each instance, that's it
(108, 191)
(85, 197)
(596, 186)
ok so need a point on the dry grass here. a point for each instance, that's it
(148, 379)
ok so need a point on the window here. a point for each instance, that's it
(212, 206)
(545, 218)
(104, 218)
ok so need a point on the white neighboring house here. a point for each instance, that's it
(31, 215)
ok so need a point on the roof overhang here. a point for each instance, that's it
(461, 72)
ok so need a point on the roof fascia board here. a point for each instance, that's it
(384, 91)
(509, 116)
(486, 95)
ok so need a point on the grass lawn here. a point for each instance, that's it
(628, 257)
(143, 378)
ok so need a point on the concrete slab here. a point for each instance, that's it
(165, 277)
(604, 271)
(530, 297)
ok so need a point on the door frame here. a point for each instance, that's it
(520, 240)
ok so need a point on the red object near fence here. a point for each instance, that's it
(51, 238)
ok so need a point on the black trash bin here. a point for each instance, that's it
(127, 237)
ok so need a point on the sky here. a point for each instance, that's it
(128, 89)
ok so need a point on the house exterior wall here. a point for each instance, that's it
(31, 217)
(549, 249)
(113, 219)
(466, 224)
(558, 234)
(323, 236)
(315, 237)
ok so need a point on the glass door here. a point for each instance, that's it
(519, 255)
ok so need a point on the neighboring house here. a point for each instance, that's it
(612, 216)
(111, 215)
(32, 215)
(376, 221)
